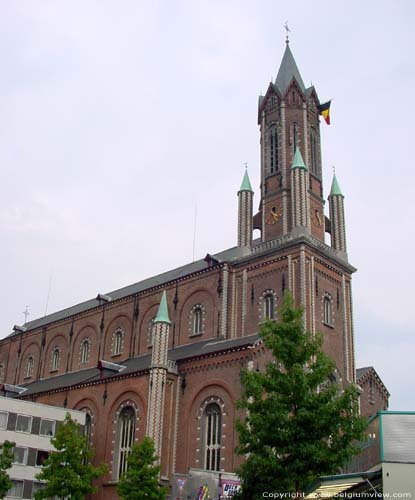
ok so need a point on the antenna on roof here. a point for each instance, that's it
(26, 313)
(49, 290)
(287, 30)
(194, 232)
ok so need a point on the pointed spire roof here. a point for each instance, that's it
(335, 188)
(288, 70)
(298, 161)
(163, 311)
(246, 183)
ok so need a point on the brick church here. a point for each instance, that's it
(162, 357)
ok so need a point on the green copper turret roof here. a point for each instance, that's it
(163, 312)
(246, 184)
(288, 70)
(298, 161)
(335, 188)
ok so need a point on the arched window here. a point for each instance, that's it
(117, 342)
(197, 320)
(269, 306)
(29, 366)
(150, 332)
(327, 311)
(84, 354)
(273, 150)
(54, 362)
(212, 438)
(314, 154)
(88, 427)
(125, 439)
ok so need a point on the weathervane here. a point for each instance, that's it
(246, 165)
(287, 29)
(26, 313)
(334, 169)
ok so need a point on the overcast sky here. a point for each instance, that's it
(117, 118)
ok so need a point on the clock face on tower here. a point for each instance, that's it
(316, 216)
(274, 214)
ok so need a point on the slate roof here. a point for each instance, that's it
(136, 364)
(228, 255)
(288, 70)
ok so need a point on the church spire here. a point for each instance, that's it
(163, 312)
(245, 212)
(338, 225)
(288, 70)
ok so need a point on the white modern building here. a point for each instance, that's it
(30, 426)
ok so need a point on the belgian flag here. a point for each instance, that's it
(324, 110)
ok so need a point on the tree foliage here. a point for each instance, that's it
(141, 480)
(6, 460)
(68, 471)
(299, 424)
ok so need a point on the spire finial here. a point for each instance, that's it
(334, 169)
(287, 30)
(246, 165)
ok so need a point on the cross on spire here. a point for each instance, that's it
(26, 313)
(287, 30)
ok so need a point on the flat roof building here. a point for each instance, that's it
(30, 426)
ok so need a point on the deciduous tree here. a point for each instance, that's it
(300, 424)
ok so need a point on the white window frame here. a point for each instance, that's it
(30, 425)
(14, 481)
(26, 452)
(7, 419)
(53, 427)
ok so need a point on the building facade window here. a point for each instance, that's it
(4, 416)
(273, 150)
(327, 310)
(117, 342)
(2, 372)
(16, 491)
(197, 320)
(88, 427)
(20, 455)
(29, 366)
(212, 436)
(150, 332)
(23, 423)
(125, 438)
(41, 457)
(54, 362)
(47, 428)
(269, 306)
(84, 351)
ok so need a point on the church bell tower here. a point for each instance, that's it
(291, 173)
